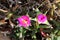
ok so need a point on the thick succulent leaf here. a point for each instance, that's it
(43, 26)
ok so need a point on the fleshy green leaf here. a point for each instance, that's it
(42, 26)
(58, 38)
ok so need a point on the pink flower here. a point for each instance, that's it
(24, 21)
(41, 18)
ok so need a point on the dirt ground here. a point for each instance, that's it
(2, 37)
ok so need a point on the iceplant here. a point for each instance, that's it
(42, 19)
(24, 21)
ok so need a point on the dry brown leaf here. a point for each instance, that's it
(2, 22)
(56, 1)
(14, 8)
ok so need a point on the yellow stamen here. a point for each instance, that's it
(24, 21)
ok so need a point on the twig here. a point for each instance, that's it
(56, 13)
(48, 3)
(3, 10)
(3, 6)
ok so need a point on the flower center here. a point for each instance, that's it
(42, 18)
(24, 21)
